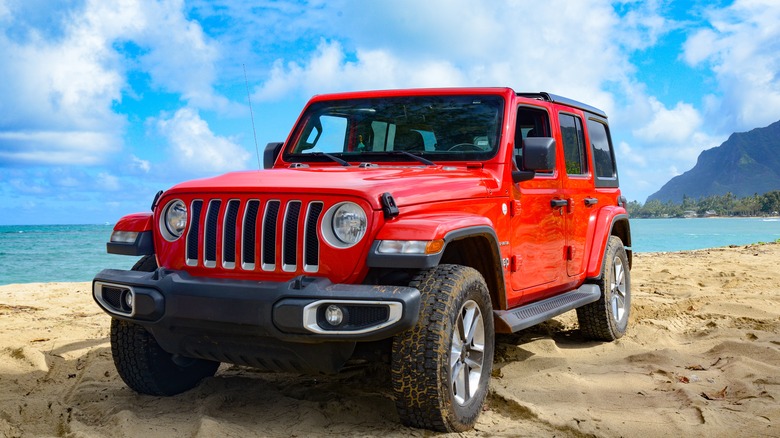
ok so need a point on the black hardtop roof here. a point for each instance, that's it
(548, 97)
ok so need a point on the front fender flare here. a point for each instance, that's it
(139, 223)
(427, 228)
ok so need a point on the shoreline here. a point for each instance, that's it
(701, 357)
(731, 246)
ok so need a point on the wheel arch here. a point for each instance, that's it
(477, 247)
(608, 224)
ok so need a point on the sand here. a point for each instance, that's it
(701, 358)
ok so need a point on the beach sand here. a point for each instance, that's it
(701, 358)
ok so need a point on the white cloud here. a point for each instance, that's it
(568, 48)
(196, 149)
(628, 155)
(138, 164)
(58, 88)
(108, 182)
(676, 125)
(181, 58)
(328, 70)
(742, 47)
(55, 148)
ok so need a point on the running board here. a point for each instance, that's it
(509, 321)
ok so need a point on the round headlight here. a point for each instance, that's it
(174, 220)
(344, 225)
(349, 223)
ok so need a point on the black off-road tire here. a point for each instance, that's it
(607, 318)
(422, 369)
(147, 368)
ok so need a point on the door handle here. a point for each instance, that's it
(557, 203)
(591, 201)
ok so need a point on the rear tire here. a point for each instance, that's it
(441, 367)
(607, 318)
(143, 365)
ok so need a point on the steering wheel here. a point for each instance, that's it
(465, 147)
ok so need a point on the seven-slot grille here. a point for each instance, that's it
(255, 226)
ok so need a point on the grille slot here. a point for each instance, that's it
(311, 245)
(290, 236)
(248, 231)
(269, 235)
(229, 234)
(194, 233)
(210, 242)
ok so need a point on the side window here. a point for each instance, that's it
(573, 144)
(531, 122)
(603, 154)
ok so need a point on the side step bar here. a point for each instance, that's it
(509, 321)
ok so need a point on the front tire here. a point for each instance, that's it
(144, 366)
(441, 367)
(607, 318)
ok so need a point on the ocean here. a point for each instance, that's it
(47, 253)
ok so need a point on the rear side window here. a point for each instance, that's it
(573, 145)
(603, 154)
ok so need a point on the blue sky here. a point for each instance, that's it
(102, 103)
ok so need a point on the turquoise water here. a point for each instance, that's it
(46, 253)
(655, 235)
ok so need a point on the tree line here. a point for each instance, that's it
(767, 204)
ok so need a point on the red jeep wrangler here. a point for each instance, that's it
(409, 225)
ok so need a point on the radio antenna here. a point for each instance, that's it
(252, 116)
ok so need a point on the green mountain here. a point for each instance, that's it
(745, 164)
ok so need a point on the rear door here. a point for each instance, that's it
(577, 194)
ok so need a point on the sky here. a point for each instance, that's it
(103, 103)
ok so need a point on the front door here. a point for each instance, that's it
(537, 226)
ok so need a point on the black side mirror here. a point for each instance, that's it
(538, 156)
(270, 154)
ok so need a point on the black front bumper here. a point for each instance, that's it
(244, 322)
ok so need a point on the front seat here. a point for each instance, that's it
(408, 141)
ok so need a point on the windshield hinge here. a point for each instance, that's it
(388, 205)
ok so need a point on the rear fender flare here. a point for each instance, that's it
(607, 224)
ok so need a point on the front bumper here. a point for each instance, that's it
(242, 321)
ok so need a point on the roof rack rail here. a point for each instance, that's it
(547, 97)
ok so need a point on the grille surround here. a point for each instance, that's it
(268, 235)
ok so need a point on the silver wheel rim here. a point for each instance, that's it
(617, 288)
(467, 353)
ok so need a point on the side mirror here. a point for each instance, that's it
(538, 156)
(270, 154)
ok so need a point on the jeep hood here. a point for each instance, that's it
(408, 185)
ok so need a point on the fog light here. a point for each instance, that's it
(334, 315)
(128, 299)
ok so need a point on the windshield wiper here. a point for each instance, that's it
(332, 157)
(405, 153)
(425, 161)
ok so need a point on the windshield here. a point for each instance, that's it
(438, 128)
